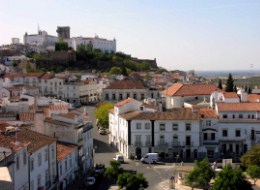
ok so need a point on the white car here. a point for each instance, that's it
(90, 180)
(119, 158)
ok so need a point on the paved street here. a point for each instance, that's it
(155, 174)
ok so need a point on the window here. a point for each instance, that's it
(39, 159)
(161, 139)
(127, 95)
(39, 181)
(147, 125)
(142, 96)
(208, 123)
(249, 116)
(107, 97)
(17, 162)
(138, 139)
(52, 152)
(60, 168)
(148, 140)
(205, 136)
(120, 96)
(188, 141)
(225, 116)
(224, 133)
(24, 158)
(46, 178)
(32, 185)
(175, 126)
(66, 164)
(240, 116)
(188, 126)
(71, 158)
(138, 126)
(113, 96)
(162, 127)
(134, 96)
(175, 140)
(31, 164)
(46, 154)
(238, 133)
(213, 136)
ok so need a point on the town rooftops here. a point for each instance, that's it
(178, 89)
(64, 149)
(126, 84)
(207, 113)
(119, 104)
(253, 98)
(230, 95)
(174, 114)
(247, 106)
(24, 136)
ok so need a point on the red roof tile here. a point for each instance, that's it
(230, 95)
(207, 113)
(178, 89)
(253, 98)
(239, 106)
(119, 104)
(64, 149)
(126, 84)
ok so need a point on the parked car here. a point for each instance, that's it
(119, 158)
(90, 181)
(102, 131)
(99, 170)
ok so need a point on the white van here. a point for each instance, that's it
(150, 158)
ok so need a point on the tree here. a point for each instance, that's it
(61, 46)
(230, 83)
(115, 71)
(113, 169)
(131, 181)
(251, 157)
(254, 172)
(201, 174)
(124, 71)
(230, 179)
(220, 84)
(101, 113)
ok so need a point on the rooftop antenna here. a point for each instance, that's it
(38, 28)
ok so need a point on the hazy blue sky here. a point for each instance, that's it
(183, 34)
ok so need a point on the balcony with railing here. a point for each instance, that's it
(163, 144)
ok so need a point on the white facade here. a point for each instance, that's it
(52, 86)
(40, 39)
(136, 133)
(67, 164)
(98, 43)
(72, 128)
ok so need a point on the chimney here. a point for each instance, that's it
(243, 97)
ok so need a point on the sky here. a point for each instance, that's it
(181, 34)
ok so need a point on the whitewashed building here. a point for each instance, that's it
(67, 163)
(98, 43)
(72, 127)
(136, 132)
(37, 164)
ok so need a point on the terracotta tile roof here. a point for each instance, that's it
(112, 110)
(26, 116)
(178, 89)
(37, 75)
(119, 104)
(59, 107)
(64, 149)
(230, 95)
(126, 84)
(207, 113)
(253, 98)
(47, 75)
(30, 87)
(239, 106)
(70, 115)
(175, 114)
(25, 135)
(15, 89)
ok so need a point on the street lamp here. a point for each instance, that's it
(176, 159)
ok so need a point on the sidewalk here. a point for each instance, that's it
(164, 185)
